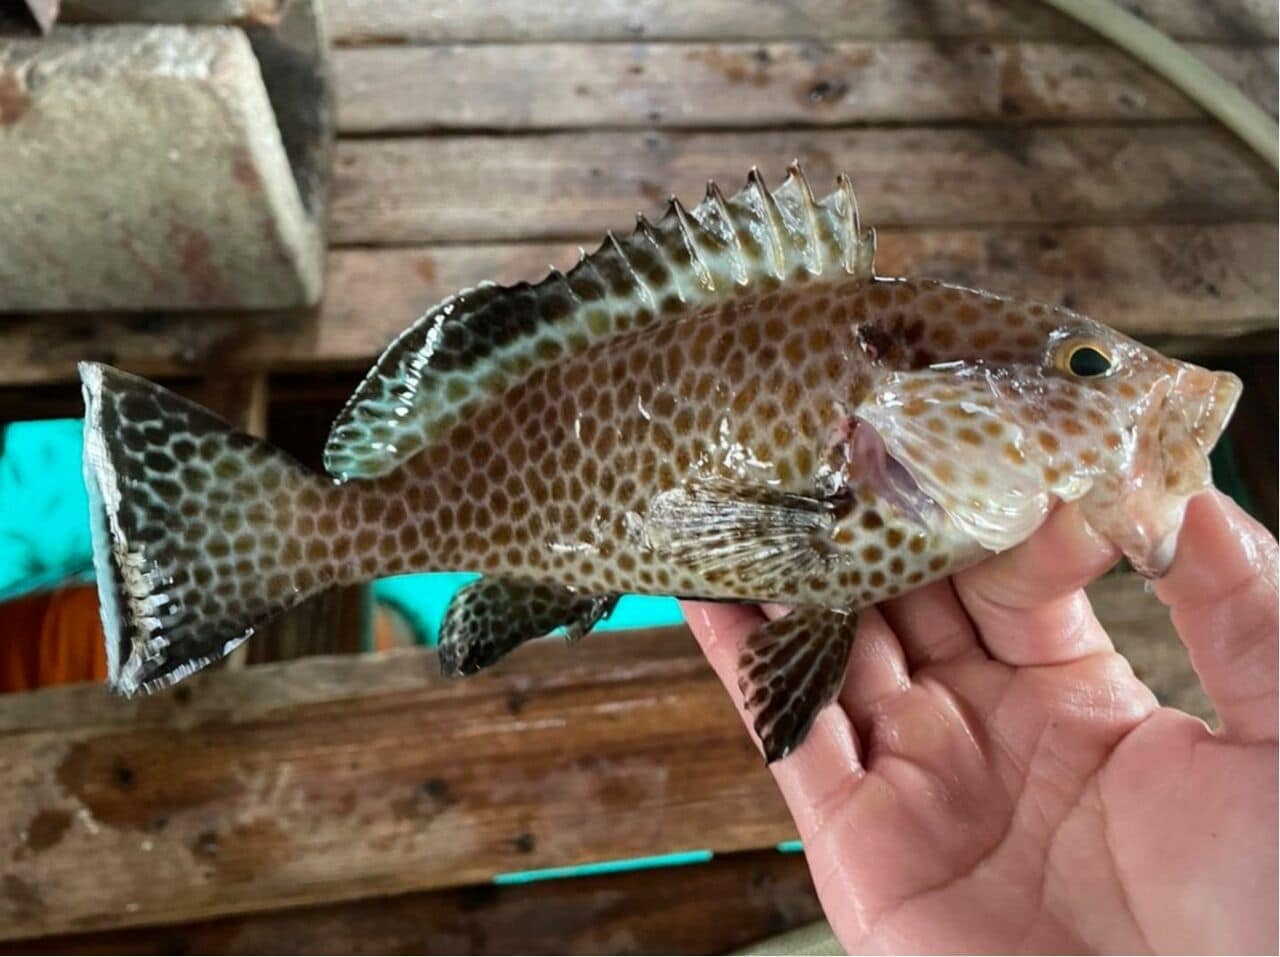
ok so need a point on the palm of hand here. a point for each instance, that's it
(1007, 810)
(997, 780)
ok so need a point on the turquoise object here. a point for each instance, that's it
(677, 859)
(422, 599)
(44, 512)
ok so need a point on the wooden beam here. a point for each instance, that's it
(404, 21)
(1171, 283)
(544, 186)
(673, 85)
(712, 908)
(331, 778)
(328, 779)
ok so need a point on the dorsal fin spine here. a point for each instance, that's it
(856, 258)
(816, 261)
(771, 217)
(650, 233)
(620, 250)
(690, 233)
(585, 274)
(738, 259)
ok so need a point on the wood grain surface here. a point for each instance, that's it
(751, 86)
(711, 908)
(333, 778)
(403, 21)
(544, 186)
(1175, 285)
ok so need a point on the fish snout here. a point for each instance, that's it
(1208, 399)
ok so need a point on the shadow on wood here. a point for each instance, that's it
(710, 908)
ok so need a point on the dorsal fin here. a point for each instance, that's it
(483, 340)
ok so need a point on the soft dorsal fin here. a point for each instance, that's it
(481, 341)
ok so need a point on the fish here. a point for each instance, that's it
(728, 403)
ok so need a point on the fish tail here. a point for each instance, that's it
(201, 533)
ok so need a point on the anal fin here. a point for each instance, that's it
(789, 670)
(490, 617)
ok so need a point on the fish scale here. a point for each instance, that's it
(726, 404)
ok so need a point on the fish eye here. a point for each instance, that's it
(1086, 360)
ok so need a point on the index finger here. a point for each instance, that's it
(1222, 591)
(1028, 604)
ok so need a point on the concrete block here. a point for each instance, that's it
(141, 167)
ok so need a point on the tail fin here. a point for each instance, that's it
(198, 529)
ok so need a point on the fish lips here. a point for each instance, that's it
(1207, 400)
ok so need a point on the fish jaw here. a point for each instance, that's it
(1144, 524)
(1141, 510)
(1208, 401)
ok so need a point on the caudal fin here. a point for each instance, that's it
(200, 532)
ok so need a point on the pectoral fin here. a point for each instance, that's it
(490, 617)
(789, 670)
(751, 534)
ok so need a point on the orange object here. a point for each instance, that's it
(391, 628)
(51, 638)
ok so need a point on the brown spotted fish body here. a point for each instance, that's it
(726, 404)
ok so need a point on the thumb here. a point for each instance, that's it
(1222, 592)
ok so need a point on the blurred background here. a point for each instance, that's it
(247, 199)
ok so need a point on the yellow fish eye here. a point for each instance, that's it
(1084, 360)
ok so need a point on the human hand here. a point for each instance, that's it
(994, 778)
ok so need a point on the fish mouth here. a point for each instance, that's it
(1212, 398)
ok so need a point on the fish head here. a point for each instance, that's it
(1001, 408)
(1164, 416)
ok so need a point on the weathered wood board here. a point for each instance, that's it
(543, 186)
(712, 908)
(332, 778)
(530, 86)
(403, 21)
(1168, 283)
(328, 779)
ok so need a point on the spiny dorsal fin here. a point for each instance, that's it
(481, 341)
